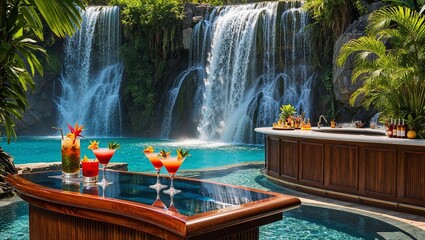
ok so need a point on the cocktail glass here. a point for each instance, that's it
(157, 164)
(90, 170)
(172, 207)
(70, 157)
(172, 164)
(158, 203)
(104, 155)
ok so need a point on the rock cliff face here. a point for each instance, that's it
(343, 85)
(194, 13)
(42, 113)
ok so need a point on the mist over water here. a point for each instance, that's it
(92, 74)
(246, 61)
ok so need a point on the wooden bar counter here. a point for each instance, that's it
(129, 209)
(360, 165)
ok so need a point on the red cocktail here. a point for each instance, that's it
(104, 155)
(90, 170)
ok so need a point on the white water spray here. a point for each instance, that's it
(91, 77)
(257, 58)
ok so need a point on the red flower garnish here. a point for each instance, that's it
(75, 131)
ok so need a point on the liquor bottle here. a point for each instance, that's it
(394, 128)
(406, 129)
(390, 129)
(308, 126)
(399, 129)
(403, 130)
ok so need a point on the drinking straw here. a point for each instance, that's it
(60, 129)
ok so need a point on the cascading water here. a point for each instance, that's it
(92, 73)
(254, 58)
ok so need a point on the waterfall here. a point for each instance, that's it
(91, 76)
(253, 58)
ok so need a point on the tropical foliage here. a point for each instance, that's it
(286, 111)
(333, 15)
(220, 2)
(152, 30)
(390, 62)
(330, 19)
(21, 22)
(412, 4)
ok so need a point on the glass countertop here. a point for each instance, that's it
(196, 196)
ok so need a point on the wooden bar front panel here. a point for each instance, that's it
(273, 158)
(289, 159)
(343, 167)
(414, 181)
(49, 225)
(380, 168)
(311, 163)
(46, 225)
(392, 173)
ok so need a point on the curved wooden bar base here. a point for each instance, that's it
(369, 169)
(124, 210)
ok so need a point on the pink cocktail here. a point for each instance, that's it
(172, 164)
(157, 164)
(104, 155)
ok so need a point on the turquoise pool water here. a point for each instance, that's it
(306, 222)
(203, 154)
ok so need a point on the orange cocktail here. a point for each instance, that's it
(157, 164)
(172, 164)
(154, 159)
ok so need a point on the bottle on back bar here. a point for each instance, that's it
(390, 129)
(394, 128)
(403, 130)
(399, 129)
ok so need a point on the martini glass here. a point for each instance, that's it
(157, 164)
(104, 155)
(172, 207)
(172, 164)
(158, 203)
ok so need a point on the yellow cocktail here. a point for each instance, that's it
(70, 157)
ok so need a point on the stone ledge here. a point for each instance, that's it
(50, 166)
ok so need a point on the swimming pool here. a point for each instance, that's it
(306, 222)
(204, 154)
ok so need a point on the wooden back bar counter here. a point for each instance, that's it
(128, 209)
(350, 165)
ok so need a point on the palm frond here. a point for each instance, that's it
(365, 45)
(407, 20)
(62, 16)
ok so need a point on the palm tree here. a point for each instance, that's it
(20, 23)
(390, 60)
